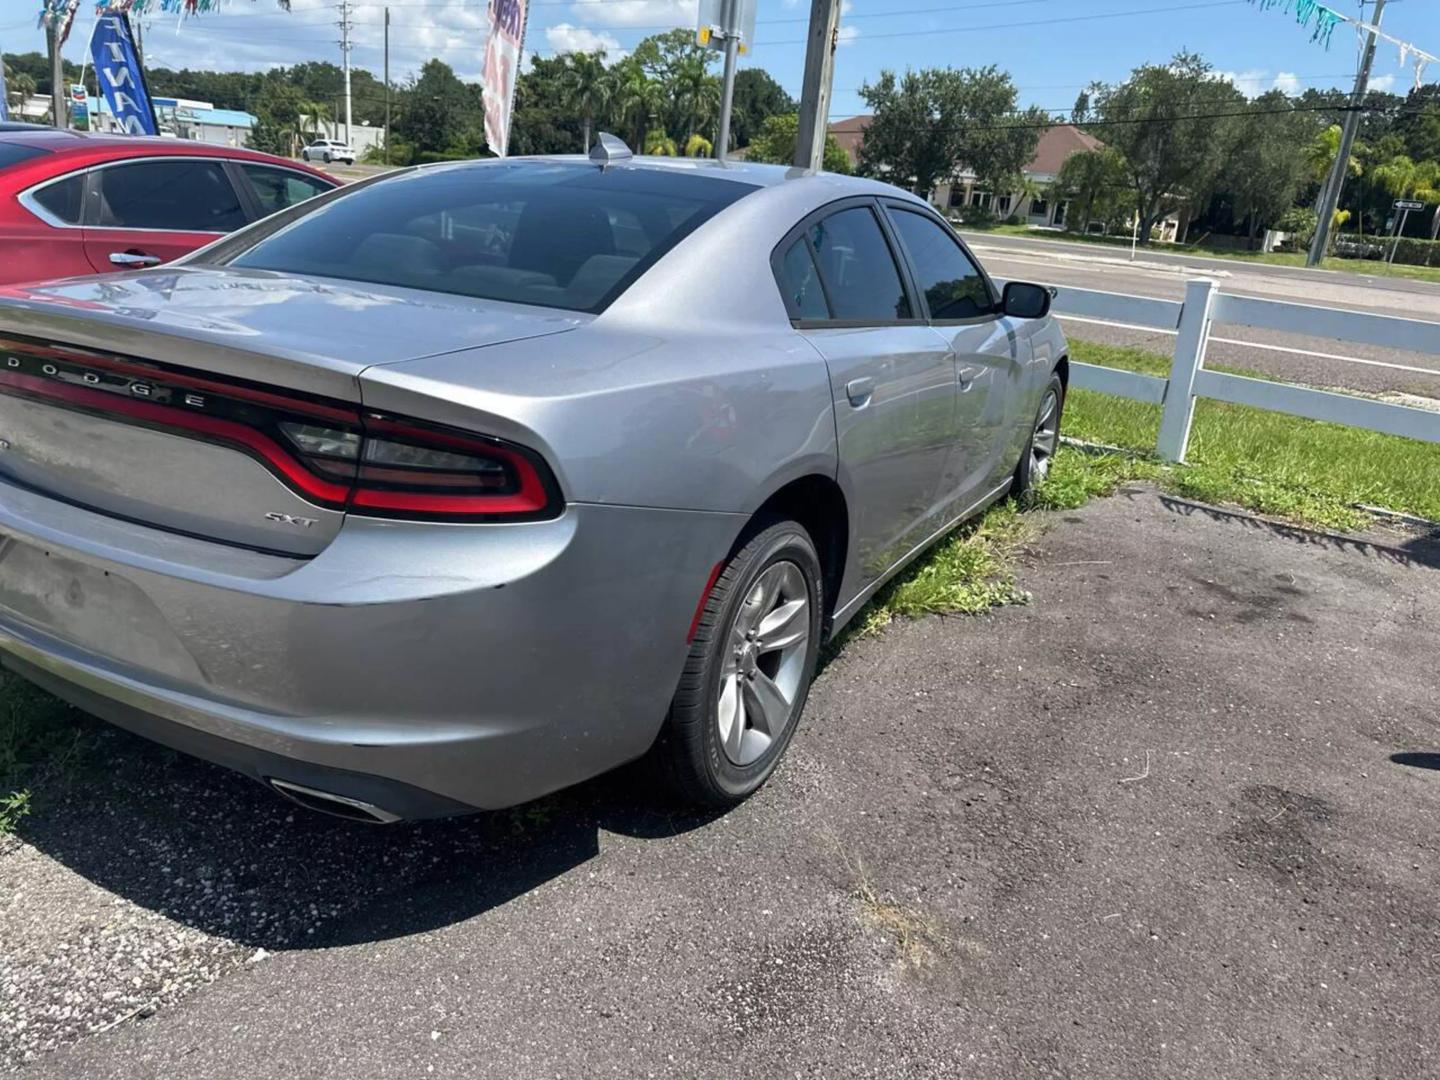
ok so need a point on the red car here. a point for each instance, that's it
(73, 203)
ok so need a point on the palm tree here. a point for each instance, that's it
(1320, 155)
(1408, 179)
(19, 87)
(635, 97)
(696, 93)
(588, 85)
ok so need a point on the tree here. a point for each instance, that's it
(1321, 152)
(282, 117)
(1096, 184)
(546, 120)
(1168, 123)
(775, 145)
(1268, 161)
(1407, 179)
(929, 124)
(436, 118)
(636, 98)
(696, 96)
(587, 85)
(757, 98)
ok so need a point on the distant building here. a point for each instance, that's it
(961, 191)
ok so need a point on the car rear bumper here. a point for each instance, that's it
(423, 669)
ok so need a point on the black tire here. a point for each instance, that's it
(689, 751)
(327, 159)
(1031, 470)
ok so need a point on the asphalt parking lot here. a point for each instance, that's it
(1177, 817)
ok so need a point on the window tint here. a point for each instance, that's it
(279, 189)
(860, 273)
(952, 285)
(14, 153)
(555, 234)
(800, 283)
(181, 195)
(63, 198)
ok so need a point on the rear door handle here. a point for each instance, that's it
(859, 391)
(133, 259)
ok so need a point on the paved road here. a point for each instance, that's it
(1149, 825)
(1293, 357)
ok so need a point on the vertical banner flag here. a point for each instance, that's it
(117, 69)
(4, 96)
(504, 49)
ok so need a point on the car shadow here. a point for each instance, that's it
(218, 852)
(1417, 760)
(1414, 548)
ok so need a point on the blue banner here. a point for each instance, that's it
(117, 68)
(4, 96)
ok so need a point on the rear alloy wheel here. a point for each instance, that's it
(749, 670)
(1042, 445)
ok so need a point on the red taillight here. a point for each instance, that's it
(331, 453)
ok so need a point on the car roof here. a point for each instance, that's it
(750, 173)
(75, 149)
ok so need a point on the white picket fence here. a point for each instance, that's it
(1191, 320)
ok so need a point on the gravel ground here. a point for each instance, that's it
(1175, 818)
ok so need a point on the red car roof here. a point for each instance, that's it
(73, 149)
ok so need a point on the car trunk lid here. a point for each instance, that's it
(188, 399)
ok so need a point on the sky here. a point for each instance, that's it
(1052, 48)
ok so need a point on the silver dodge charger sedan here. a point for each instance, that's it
(469, 482)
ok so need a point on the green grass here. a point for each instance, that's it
(1368, 267)
(1303, 470)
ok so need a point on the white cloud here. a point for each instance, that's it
(1385, 83)
(565, 38)
(1256, 81)
(638, 12)
(847, 35)
(1249, 83)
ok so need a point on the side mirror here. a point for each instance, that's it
(1023, 300)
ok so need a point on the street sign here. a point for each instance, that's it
(712, 24)
(1408, 204)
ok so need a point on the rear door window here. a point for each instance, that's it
(63, 199)
(953, 286)
(173, 195)
(861, 279)
(800, 284)
(279, 189)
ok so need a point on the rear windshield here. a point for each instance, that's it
(14, 153)
(561, 235)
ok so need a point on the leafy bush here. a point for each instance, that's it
(1415, 252)
(1299, 222)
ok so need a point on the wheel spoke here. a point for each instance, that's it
(765, 705)
(787, 625)
(731, 716)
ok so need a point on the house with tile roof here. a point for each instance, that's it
(962, 191)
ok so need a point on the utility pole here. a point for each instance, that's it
(57, 75)
(730, 21)
(345, 47)
(1335, 183)
(821, 41)
(387, 86)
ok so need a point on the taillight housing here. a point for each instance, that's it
(334, 454)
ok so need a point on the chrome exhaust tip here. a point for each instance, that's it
(327, 802)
